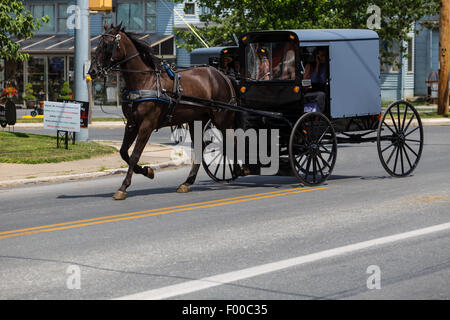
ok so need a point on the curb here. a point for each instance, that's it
(91, 175)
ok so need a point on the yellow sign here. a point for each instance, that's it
(100, 5)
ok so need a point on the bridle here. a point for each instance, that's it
(115, 65)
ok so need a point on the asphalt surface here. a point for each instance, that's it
(99, 112)
(265, 220)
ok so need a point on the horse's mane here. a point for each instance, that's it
(144, 49)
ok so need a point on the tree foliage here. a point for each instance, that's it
(228, 17)
(18, 23)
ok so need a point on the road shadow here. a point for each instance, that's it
(276, 182)
(293, 295)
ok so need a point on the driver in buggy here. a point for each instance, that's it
(318, 74)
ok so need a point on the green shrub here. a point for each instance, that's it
(66, 92)
(29, 93)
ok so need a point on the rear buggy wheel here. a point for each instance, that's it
(3, 124)
(217, 165)
(33, 114)
(401, 147)
(312, 149)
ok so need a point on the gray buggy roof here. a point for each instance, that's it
(335, 34)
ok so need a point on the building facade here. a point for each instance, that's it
(51, 50)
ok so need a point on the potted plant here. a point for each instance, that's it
(66, 92)
(30, 99)
(9, 92)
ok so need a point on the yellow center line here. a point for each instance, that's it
(153, 212)
(145, 211)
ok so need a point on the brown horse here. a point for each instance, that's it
(140, 70)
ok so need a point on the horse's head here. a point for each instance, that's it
(108, 52)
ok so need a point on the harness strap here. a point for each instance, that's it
(176, 90)
(145, 95)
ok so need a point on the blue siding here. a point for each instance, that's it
(390, 86)
(183, 56)
(96, 24)
(165, 17)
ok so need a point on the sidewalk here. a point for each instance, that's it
(94, 124)
(156, 156)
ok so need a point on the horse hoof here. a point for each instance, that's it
(120, 195)
(183, 189)
(150, 173)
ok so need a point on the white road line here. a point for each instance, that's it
(217, 280)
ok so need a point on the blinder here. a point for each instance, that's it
(110, 49)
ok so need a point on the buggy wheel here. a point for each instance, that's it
(3, 124)
(217, 165)
(33, 114)
(179, 133)
(400, 148)
(312, 149)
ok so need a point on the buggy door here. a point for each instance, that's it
(354, 78)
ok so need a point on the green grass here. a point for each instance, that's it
(29, 148)
(429, 115)
(387, 103)
(30, 120)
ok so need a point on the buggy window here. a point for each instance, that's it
(267, 61)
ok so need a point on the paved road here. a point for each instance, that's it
(264, 237)
(99, 112)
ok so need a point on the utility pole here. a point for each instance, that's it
(82, 60)
(444, 53)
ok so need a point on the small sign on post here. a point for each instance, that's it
(62, 117)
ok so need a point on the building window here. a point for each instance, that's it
(410, 56)
(39, 11)
(108, 17)
(189, 9)
(131, 16)
(150, 15)
(55, 76)
(62, 18)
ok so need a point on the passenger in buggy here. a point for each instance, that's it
(318, 74)
(264, 64)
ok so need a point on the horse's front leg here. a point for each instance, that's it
(145, 130)
(128, 139)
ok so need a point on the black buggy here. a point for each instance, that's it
(319, 88)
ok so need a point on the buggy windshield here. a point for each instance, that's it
(266, 61)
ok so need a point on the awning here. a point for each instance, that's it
(162, 44)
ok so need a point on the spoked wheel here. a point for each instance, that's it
(217, 165)
(312, 149)
(400, 139)
(3, 124)
(179, 133)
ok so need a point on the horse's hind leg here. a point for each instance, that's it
(128, 139)
(185, 186)
(144, 133)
